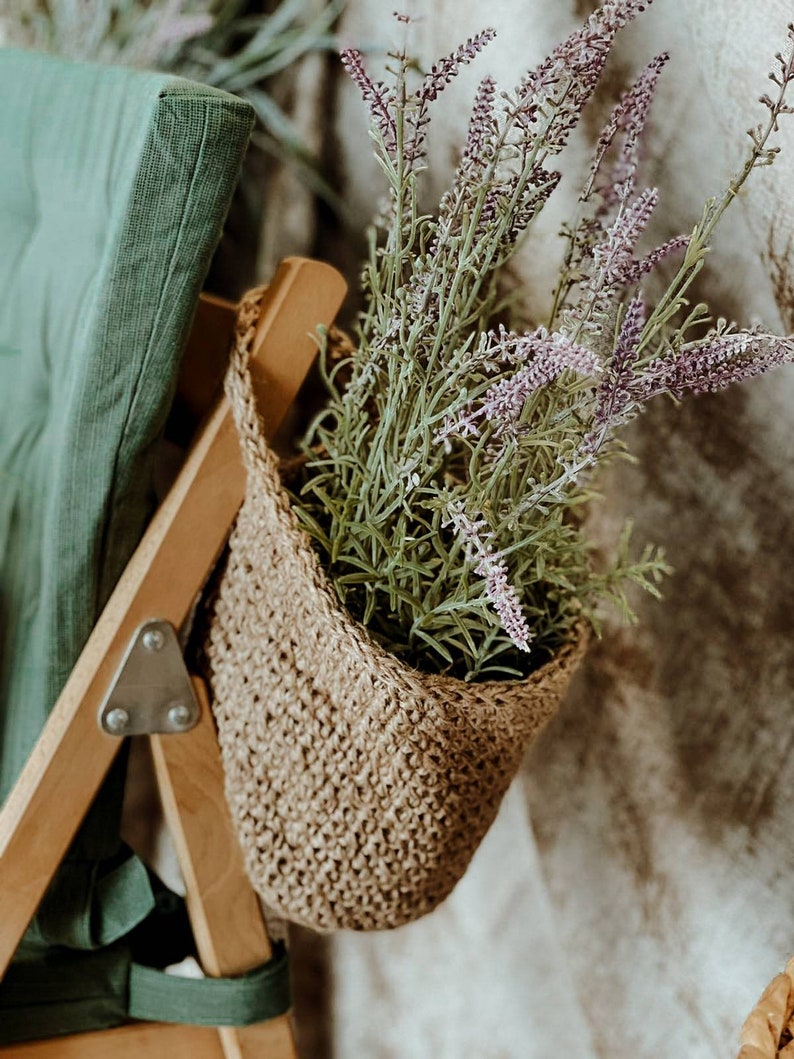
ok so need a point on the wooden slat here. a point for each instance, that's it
(203, 365)
(139, 1040)
(224, 910)
(266, 1040)
(227, 920)
(184, 540)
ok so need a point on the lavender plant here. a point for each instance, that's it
(448, 475)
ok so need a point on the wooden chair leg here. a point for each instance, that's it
(230, 931)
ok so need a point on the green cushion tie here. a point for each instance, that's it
(90, 906)
(261, 994)
(79, 990)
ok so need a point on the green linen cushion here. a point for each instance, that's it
(114, 185)
(113, 188)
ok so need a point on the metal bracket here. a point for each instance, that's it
(152, 691)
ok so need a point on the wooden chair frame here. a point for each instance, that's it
(73, 754)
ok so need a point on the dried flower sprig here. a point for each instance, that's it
(447, 477)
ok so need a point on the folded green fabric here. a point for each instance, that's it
(114, 185)
(113, 189)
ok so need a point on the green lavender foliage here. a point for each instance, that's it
(448, 477)
(211, 41)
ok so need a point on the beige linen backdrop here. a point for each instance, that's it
(637, 889)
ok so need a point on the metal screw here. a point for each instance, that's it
(179, 715)
(117, 720)
(153, 640)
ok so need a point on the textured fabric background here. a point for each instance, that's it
(635, 893)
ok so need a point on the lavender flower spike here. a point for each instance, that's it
(551, 355)
(481, 124)
(476, 540)
(375, 95)
(440, 75)
(627, 119)
(447, 68)
(616, 390)
(618, 13)
(573, 70)
(614, 257)
(639, 269)
(505, 400)
(505, 600)
(714, 363)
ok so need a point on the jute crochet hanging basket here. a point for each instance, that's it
(359, 787)
(768, 1032)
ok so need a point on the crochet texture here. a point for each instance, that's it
(359, 787)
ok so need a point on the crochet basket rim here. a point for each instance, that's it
(263, 466)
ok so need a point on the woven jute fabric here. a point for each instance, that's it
(359, 787)
(768, 1032)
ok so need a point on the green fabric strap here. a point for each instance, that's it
(73, 991)
(261, 994)
(68, 993)
(88, 907)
